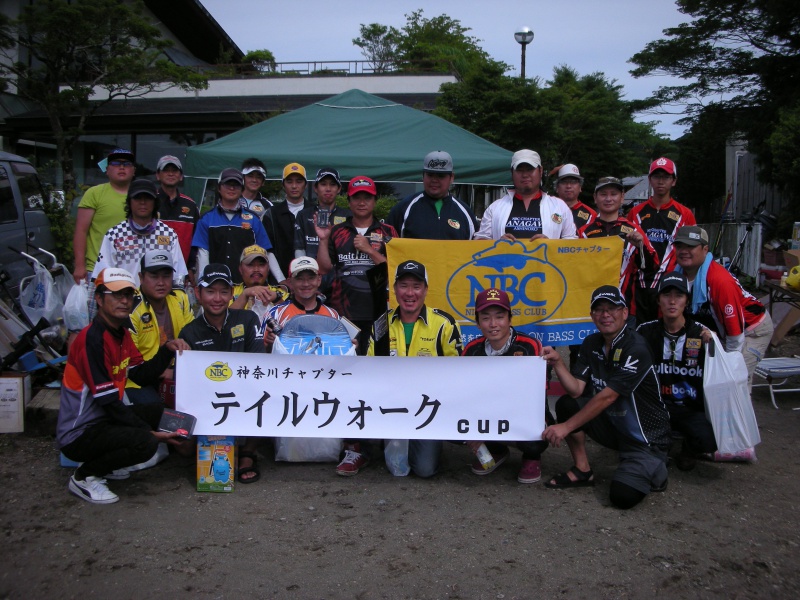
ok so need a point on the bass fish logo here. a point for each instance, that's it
(219, 371)
(535, 287)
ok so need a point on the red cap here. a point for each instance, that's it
(664, 164)
(492, 297)
(361, 184)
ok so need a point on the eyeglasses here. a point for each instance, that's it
(610, 311)
(126, 294)
(120, 163)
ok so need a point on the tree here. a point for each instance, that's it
(741, 56)
(261, 60)
(378, 44)
(59, 53)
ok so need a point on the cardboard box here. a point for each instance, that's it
(796, 236)
(792, 258)
(216, 463)
(15, 394)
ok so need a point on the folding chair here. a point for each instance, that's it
(778, 368)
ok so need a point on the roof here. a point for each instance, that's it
(358, 133)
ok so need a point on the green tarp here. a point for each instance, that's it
(358, 134)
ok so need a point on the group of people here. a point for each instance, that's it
(253, 265)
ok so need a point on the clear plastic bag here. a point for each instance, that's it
(307, 449)
(727, 399)
(40, 298)
(395, 452)
(76, 308)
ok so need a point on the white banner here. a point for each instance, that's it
(359, 397)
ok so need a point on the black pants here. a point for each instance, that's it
(104, 447)
(694, 426)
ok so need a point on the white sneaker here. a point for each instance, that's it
(118, 475)
(92, 489)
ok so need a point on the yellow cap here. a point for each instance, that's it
(295, 168)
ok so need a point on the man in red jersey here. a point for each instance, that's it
(174, 208)
(568, 188)
(660, 218)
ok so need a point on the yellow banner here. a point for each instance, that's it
(549, 282)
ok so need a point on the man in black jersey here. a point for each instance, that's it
(625, 411)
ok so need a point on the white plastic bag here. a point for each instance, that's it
(76, 308)
(40, 298)
(307, 449)
(396, 454)
(727, 399)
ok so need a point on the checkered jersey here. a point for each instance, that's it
(123, 248)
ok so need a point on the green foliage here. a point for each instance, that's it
(382, 207)
(80, 46)
(261, 60)
(378, 44)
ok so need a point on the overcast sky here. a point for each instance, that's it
(587, 35)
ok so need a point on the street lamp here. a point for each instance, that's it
(524, 37)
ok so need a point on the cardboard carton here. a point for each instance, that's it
(15, 394)
(792, 258)
(216, 463)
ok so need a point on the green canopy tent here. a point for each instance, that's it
(357, 133)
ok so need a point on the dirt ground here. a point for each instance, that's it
(721, 531)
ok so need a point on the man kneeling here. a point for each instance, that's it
(625, 411)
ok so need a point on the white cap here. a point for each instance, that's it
(569, 170)
(528, 157)
(303, 263)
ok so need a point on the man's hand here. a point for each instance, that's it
(555, 434)
(362, 243)
(178, 345)
(508, 236)
(170, 437)
(79, 274)
(261, 292)
(323, 233)
(551, 355)
(635, 238)
(539, 236)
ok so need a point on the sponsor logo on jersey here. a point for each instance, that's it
(557, 219)
(668, 369)
(163, 240)
(185, 210)
(617, 355)
(454, 223)
(245, 225)
(246, 216)
(626, 229)
(693, 343)
(146, 318)
(219, 371)
(673, 216)
(583, 215)
(237, 331)
(728, 310)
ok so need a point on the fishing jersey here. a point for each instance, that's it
(182, 215)
(239, 288)
(638, 414)
(258, 205)
(100, 362)
(660, 225)
(123, 248)
(279, 223)
(519, 344)
(416, 217)
(241, 332)
(306, 241)
(522, 222)
(679, 359)
(730, 309)
(582, 214)
(634, 259)
(224, 234)
(291, 308)
(435, 333)
(351, 294)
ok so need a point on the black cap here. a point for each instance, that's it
(413, 268)
(328, 172)
(608, 181)
(215, 272)
(142, 186)
(120, 153)
(608, 293)
(676, 280)
(231, 175)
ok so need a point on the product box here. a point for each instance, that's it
(174, 420)
(216, 463)
(796, 236)
(15, 394)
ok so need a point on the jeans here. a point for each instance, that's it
(424, 456)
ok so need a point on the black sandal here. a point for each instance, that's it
(562, 480)
(251, 469)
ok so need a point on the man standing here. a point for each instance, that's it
(660, 218)
(159, 314)
(434, 214)
(720, 302)
(227, 229)
(568, 188)
(254, 268)
(126, 243)
(624, 412)
(174, 208)
(637, 253)
(279, 220)
(416, 330)
(95, 427)
(349, 250)
(101, 207)
(220, 329)
(527, 213)
(255, 174)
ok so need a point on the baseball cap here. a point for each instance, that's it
(328, 172)
(610, 294)
(295, 168)
(251, 253)
(155, 260)
(215, 272)
(303, 263)
(492, 297)
(231, 175)
(361, 184)
(164, 161)
(142, 186)
(676, 280)
(254, 169)
(569, 170)
(437, 161)
(691, 235)
(115, 279)
(120, 153)
(664, 164)
(413, 268)
(608, 181)
(527, 157)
